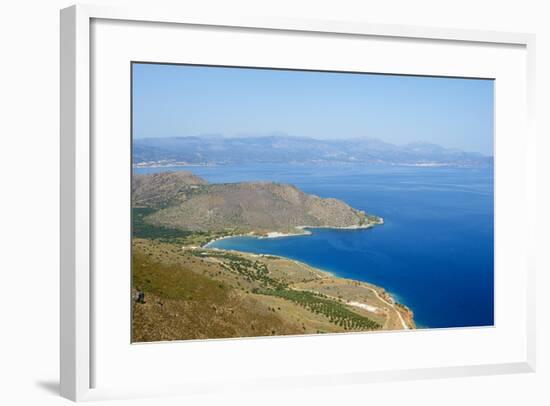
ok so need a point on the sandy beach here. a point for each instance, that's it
(303, 230)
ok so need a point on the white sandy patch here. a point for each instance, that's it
(276, 234)
(365, 306)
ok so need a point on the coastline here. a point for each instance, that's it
(255, 294)
(379, 291)
(304, 230)
(402, 311)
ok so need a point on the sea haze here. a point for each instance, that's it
(434, 253)
(215, 149)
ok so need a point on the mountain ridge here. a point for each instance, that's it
(184, 201)
(218, 150)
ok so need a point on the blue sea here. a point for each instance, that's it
(434, 252)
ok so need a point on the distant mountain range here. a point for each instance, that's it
(218, 150)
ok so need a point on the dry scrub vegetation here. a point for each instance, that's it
(198, 294)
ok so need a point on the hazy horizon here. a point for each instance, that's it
(267, 135)
(188, 101)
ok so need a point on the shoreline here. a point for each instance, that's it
(379, 291)
(304, 230)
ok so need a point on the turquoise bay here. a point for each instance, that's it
(434, 253)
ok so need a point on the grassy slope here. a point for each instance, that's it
(194, 294)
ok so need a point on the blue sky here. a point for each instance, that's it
(180, 100)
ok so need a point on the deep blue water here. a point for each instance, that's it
(434, 253)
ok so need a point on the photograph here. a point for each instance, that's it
(276, 202)
(218, 203)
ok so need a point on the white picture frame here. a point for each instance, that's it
(77, 282)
